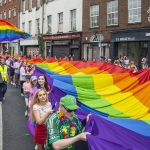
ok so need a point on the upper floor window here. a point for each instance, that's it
(5, 15)
(37, 26)
(73, 19)
(0, 15)
(23, 6)
(38, 3)
(9, 13)
(0, 2)
(23, 26)
(30, 27)
(49, 23)
(14, 12)
(60, 25)
(4, 1)
(30, 4)
(94, 16)
(134, 11)
(112, 13)
(9, 0)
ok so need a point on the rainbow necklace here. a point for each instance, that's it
(64, 128)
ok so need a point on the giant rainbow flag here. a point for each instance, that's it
(118, 100)
(9, 32)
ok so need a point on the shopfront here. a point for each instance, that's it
(135, 44)
(95, 47)
(63, 45)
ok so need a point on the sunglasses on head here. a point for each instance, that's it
(68, 110)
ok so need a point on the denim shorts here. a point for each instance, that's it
(26, 95)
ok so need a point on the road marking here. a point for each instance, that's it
(1, 128)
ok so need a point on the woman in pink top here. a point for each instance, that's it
(26, 88)
(33, 82)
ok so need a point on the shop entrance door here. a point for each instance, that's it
(75, 54)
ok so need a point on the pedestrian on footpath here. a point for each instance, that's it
(64, 127)
(23, 73)
(41, 109)
(26, 91)
(4, 79)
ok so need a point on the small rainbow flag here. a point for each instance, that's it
(9, 32)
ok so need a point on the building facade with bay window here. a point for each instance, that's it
(116, 27)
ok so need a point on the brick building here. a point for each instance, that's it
(116, 27)
(9, 12)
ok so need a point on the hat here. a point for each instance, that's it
(69, 102)
(33, 78)
(28, 76)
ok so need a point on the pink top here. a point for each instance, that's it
(26, 86)
(31, 93)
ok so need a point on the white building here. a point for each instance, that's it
(61, 23)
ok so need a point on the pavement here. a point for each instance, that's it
(14, 133)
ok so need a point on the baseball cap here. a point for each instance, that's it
(69, 102)
(33, 78)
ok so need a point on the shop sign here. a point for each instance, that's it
(147, 34)
(149, 14)
(68, 36)
(125, 39)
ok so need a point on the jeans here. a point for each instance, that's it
(3, 89)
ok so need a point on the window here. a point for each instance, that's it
(9, 0)
(49, 23)
(30, 27)
(0, 15)
(73, 19)
(94, 16)
(60, 25)
(30, 4)
(112, 13)
(37, 26)
(9, 13)
(23, 26)
(38, 3)
(4, 1)
(14, 12)
(5, 15)
(23, 6)
(134, 11)
(0, 2)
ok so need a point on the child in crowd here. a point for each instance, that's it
(41, 109)
(26, 88)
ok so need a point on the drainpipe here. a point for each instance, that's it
(42, 14)
(19, 24)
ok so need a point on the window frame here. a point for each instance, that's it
(38, 3)
(23, 26)
(112, 12)
(23, 7)
(137, 15)
(60, 22)
(94, 16)
(30, 4)
(4, 15)
(30, 27)
(38, 26)
(73, 19)
(49, 23)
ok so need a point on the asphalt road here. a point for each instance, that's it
(16, 135)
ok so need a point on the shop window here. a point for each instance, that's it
(73, 19)
(60, 25)
(49, 23)
(112, 13)
(144, 44)
(134, 11)
(122, 49)
(94, 16)
(75, 41)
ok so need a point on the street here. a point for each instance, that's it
(16, 135)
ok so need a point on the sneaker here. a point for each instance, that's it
(22, 94)
(26, 113)
(36, 147)
(11, 82)
(14, 84)
(1, 102)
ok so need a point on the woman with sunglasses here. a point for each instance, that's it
(64, 127)
(41, 109)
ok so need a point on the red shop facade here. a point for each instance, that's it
(63, 45)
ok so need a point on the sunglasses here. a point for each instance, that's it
(68, 110)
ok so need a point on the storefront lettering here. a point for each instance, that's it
(149, 14)
(69, 36)
(125, 39)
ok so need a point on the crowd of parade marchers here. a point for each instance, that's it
(35, 90)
